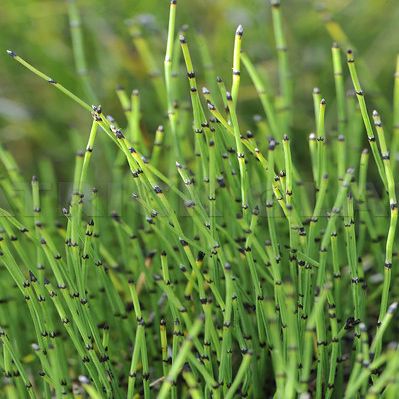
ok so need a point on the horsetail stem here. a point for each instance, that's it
(75, 25)
(212, 267)
(339, 87)
(168, 77)
(394, 212)
(283, 63)
(363, 108)
(236, 63)
(395, 138)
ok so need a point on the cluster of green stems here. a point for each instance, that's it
(224, 274)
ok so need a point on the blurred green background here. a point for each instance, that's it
(37, 121)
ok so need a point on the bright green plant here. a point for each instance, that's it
(231, 268)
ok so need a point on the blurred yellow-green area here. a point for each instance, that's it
(37, 121)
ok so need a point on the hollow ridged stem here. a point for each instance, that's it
(240, 375)
(168, 78)
(339, 88)
(283, 63)
(293, 349)
(395, 139)
(88, 154)
(225, 363)
(335, 345)
(240, 155)
(394, 214)
(178, 364)
(308, 341)
(365, 116)
(158, 143)
(6, 342)
(321, 146)
(275, 341)
(316, 105)
(313, 156)
(199, 123)
(355, 274)
(335, 211)
(134, 116)
(140, 346)
(340, 155)
(236, 64)
(337, 207)
(75, 26)
(376, 343)
(294, 238)
(365, 351)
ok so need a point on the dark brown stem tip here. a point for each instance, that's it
(11, 53)
(96, 108)
(219, 79)
(182, 39)
(240, 30)
(205, 91)
(173, 2)
(323, 101)
(32, 276)
(286, 138)
(375, 113)
(211, 107)
(228, 96)
(34, 179)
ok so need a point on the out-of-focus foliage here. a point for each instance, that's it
(35, 119)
